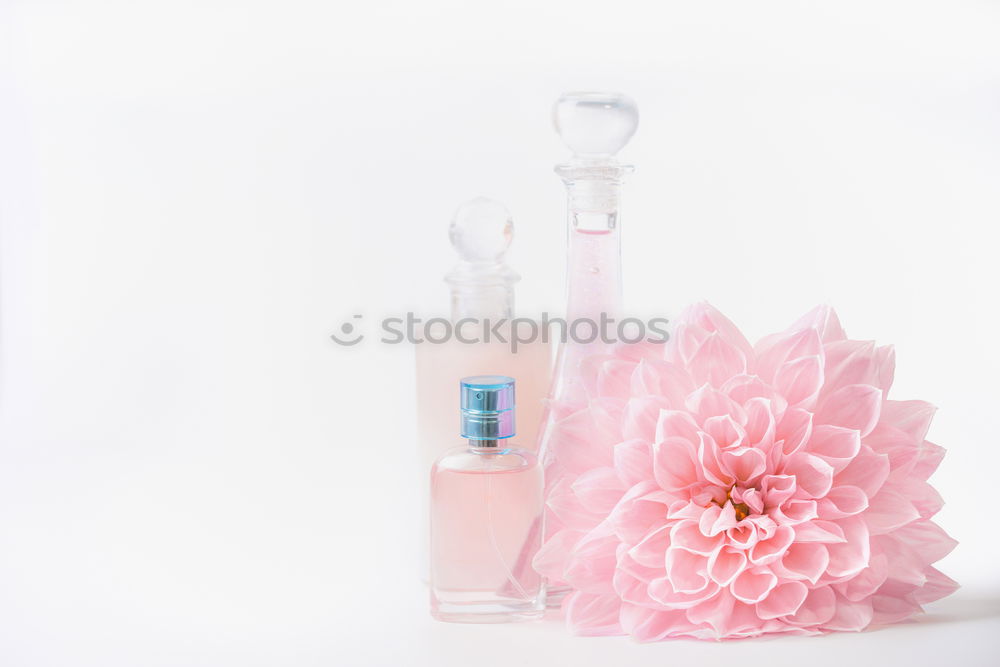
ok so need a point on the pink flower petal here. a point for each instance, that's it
(686, 341)
(912, 417)
(773, 352)
(633, 461)
(715, 612)
(820, 531)
(898, 445)
(805, 560)
(651, 625)
(857, 362)
(868, 471)
(813, 475)
(717, 519)
(750, 497)
(888, 511)
(744, 464)
(834, 444)
(567, 507)
(652, 550)
(574, 445)
(867, 582)
(690, 509)
(784, 600)
(641, 509)
(744, 388)
(799, 381)
(929, 457)
(686, 535)
(641, 417)
(715, 361)
(641, 351)
(550, 561)
(725, 564)
(590, 369)
(776, 489)
(663, 379)
(850, 616)
(793, 431)
(909, 566)
(818, 608)
(676, 424)
(850, 362)
(886, 361)
(631, 580)
(743, 535)
(707, 401)
(824, 320)
(662, 591)
(928, 539)
(938, 586)
(686, 571)
(709, 458)
(761, 425)
(766, 526)
(794, 512)
(843, 501)
(726, 432)
(855, 406)
(774, 547)
(614, 378)
(708, 318)
(744, 622)
(850, 557)
(752, 586)
(593, 615)
(925, 498)
(675, 463)
(591, 564)
(893, 608)
(599, 490)
(640, 572)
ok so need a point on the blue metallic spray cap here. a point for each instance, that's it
(487, 407)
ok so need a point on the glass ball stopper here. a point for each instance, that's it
(594, 125)
(481, 230)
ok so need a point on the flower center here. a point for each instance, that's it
(742, 509)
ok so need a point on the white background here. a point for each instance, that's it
(196, 194)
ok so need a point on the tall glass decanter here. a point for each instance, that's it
(595, 126)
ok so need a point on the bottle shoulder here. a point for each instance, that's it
(507, 459)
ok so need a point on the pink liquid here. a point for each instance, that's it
(484, 513)
(439, 366)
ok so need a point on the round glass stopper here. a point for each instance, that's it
(481, 230)
(595, 125)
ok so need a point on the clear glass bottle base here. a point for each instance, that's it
(486, 504)
(486, 612)
(554, 596)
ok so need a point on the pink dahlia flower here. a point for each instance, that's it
(713, 489)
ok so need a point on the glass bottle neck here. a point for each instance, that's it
(486, 446)
(594, 284)
(482, 291)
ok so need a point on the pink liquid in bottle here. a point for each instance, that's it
(486, 502)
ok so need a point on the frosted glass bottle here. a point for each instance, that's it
(595, 126)
(482, 293)
(486, 501)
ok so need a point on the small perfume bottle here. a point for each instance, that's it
(486, 502)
